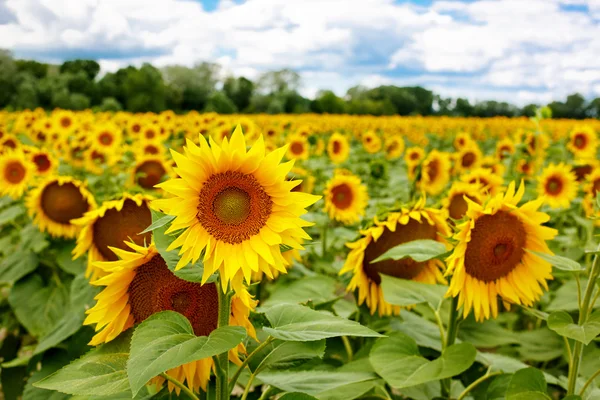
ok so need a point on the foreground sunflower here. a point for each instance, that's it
(138, 285)
(346, 198)
(149, 171)
(490, 259)
(338, 148)
(399, 227)
(558, 185)
(111, 225)
(583, 142)
(16, 172)
(56, 201)
(455, 202)
(235, 206)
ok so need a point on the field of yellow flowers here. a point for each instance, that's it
(296, 257)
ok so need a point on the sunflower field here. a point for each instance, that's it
(297, 257)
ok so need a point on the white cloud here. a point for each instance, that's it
(506, 49)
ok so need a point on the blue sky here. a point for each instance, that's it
(520, 51)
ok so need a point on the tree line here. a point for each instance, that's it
(77, 85)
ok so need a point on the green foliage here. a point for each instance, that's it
(527, 384)
(418, 250)
(562, 323)
(403, 292)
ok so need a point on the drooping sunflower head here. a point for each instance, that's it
(399, 227)
(536, 143)
(236, 206)
(435, 173)
(149, 171)
(298, 148)
(306, 182)
(491, 260)
(488, 181)
(9, 143)
(110, 226)
(584, 167)
(394, 147)
(338, 148)
(346, 198)
(505, 148)
(371, 142)
(16, 173)
(558, 185)
(56, 201)
(139, 284)
(455, 202)
(583, 142)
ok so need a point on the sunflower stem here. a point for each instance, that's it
(348, 348)
(451, 333)
(583, 316)
(324, 238)
(222, 364)
(476, 383)
(237, 374)
(180, 385)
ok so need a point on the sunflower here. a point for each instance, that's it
(592, 186)
(491, 260)
(45, 163)
(371, 142)
(583, 142)
(536, 143)
(469, 157)
(106, 138)
(56, 201)
(489, 182)
(111, 225)
(346, 198)
(298, 148)
(65, 122)
(525, 167)
(461, 140)
(138, 285)
(149, 171)
(505, 148)
(584, 167)
(394, 147)
(399, 227)
(96, 161)
(17, 172)
(435, 172)
(413, 157)
(338, 148)
(558, 185)
(236, 206)
(9, 143)
(455, 202)
(306, 182)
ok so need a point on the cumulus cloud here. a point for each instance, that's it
(514, 50)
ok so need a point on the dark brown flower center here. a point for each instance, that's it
(151, 172)
(233, 206)
(406, 268)
(116, 227)
(581, 171)
(65, 122)
(496, 247)
(433, 169)
(580, 141)
(458, 206)
(14, 172)
(337, 147)
(554, 185)
(297, 148)
(62, 203)
(342, 196)
(468, 159)
(106, 138)
(155, 288)
(42, 162)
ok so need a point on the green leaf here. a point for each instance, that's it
(166, 340)
(65, 261)
(562, 263)
(33, 239)
(598, 199)
(281, 354)
(397, 360)
(506, 364)
(562, 323)
(404, 292)
(11, 213)
(527, 384)
(565, 297)
(318, 289)
(298, 323)
(81, 298)
(423, 331)
(17, 265)
(312, 382)
(38, 307)
(162, 221)
(297, 396)
(418, 250)
(100, 372)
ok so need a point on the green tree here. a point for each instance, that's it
(144, 90)
(191, 87)
(328, 102)
(90, 67)
(8, 71)
(239, 90)
(220, 103)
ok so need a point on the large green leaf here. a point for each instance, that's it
(506, 364)
(158, 223)
(562, 323)
(297, 396)
(565, 297)
(404, 292)
(17, 265)
(38, 307)
(318, 289)
(166, 340)
(397, 360)
(11, 213)
(281, 354)
(423, 331)
(81, 298)
(562, 263)
(419, 250)
(527, 384)
(313, 382)
(298, 323)
(100, 372)
(65, 261)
